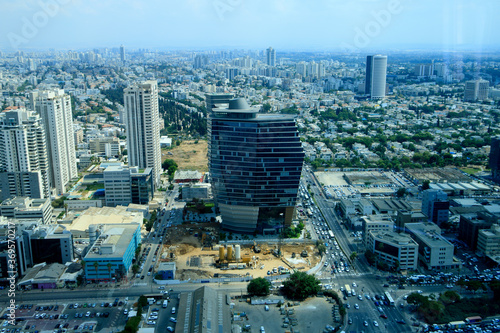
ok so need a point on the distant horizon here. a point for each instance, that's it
(387, 50)
(354, 26)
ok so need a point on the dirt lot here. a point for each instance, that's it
(189, 155)
(193, 261)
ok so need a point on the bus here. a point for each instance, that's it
(347, 290)
(389, 298)
(330, 233)
(474, 319)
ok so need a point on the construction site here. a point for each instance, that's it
(197, 254)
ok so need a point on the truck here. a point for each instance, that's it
(347, 290)
(165, 303)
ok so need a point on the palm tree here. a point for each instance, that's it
(109, 269)
(96, 266)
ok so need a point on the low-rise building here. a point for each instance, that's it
(471, 223)
(204, 310)
(376, 224)
(188, 176)
(167, 270)
(111, 253)
(26, 208)
(196, 191)
(435, 252)
(395, 250)
(488, 241)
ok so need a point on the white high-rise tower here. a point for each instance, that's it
(376, 72)
(143, 127)
(54, 107)
(24, 169)
(271, 57)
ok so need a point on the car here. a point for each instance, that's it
(375, 323)
(347, 305)
(360, 297)
(383, 315)
(266, 307)
(172, 319)
(151, 322)
(87, 314)
(400, 321)
(365, 323)
(170, 328)
(354, 284)
(142, 277)
(356, 306)
(262, 330)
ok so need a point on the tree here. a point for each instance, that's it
(259, 287)
(321, 249)
(353, 256)
(169, 165)
(96, 266)
(425, 185)
(109, 269)
(301, 285)
(401, 192)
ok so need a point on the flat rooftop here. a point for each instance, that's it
(113, 241)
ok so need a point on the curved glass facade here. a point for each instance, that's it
(255, 162)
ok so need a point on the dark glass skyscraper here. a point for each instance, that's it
(255, 162)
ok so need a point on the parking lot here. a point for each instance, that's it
(312, 315)
(75, 317)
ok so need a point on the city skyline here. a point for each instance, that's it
(353, 26)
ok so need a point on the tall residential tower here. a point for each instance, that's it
(255, 161)
(271, 57)
(24, 169)
(54, 107)
(143, 127)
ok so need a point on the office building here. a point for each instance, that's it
(26, 208)
(395, 251)
(255, 161)
(24, 168)
(54, 107)
(143, 129)
(436, 206)
(111, 251)
(122, 53)
(271, 57)
(476, 90)
(403, 217)
(376, 72)
(434, 251)
(108, 146)
(196, 191)
(494, 161)
(51, 244)
(217, 100)
(471, 223)
(376, 224)
(126, 185)
(488, 241)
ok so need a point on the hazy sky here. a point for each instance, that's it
(250, 24)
